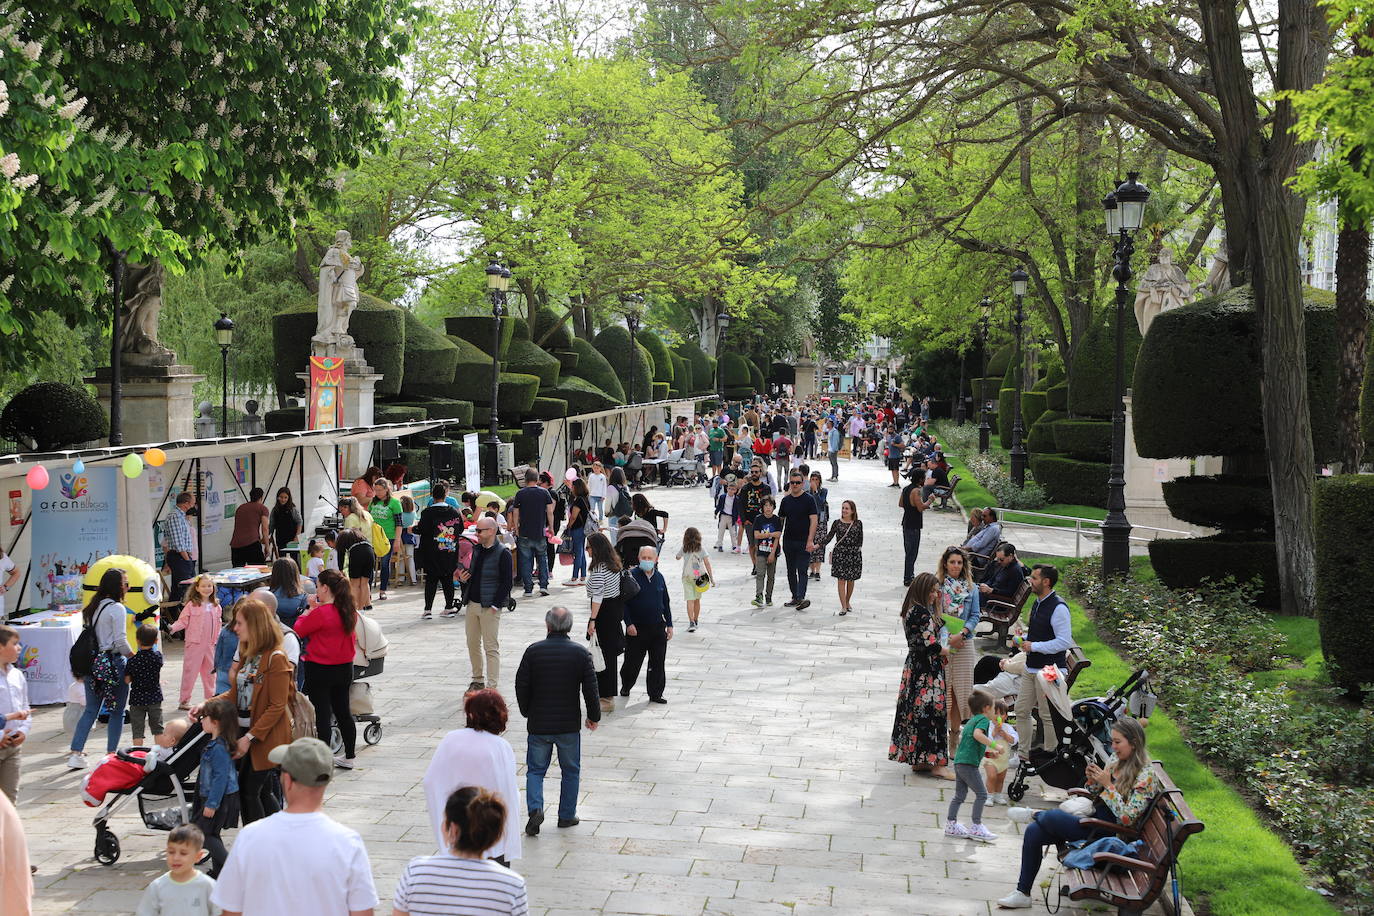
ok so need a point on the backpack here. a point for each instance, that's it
(81, 657)
(381, 544)
(623, 506)
(302, 714)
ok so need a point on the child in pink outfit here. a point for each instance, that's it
(200, 618)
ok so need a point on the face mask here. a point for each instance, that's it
(646, 565)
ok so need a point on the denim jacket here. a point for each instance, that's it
(225, 647)
(217, 776)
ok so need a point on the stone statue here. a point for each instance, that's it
(138, 318)
(1219, 277)
(1165, 286)
(808, 347)
(338, 297)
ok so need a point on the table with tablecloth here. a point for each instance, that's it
(233, 584)
(45, 652)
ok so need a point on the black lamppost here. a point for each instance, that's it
(1019, 279)
(498, 281)
(633, 303)
(1125, 212)
(984, 428)
(224, 336)
(722, 322)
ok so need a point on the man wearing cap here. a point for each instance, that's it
(490, 579)
(299, 860)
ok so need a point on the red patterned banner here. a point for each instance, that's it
(326, 392)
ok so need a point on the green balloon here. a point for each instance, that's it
(133, 466)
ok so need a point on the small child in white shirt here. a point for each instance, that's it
(315, 565)
(182, 891)
(995, 760)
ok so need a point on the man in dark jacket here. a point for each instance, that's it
(1003, 577)
(648, 627)
(489, 578)
(546, 685)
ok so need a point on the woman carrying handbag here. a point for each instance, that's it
(846, 558)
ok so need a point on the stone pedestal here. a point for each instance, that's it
(359, 396)
(1145, 478)
(805, 384)
(156, 402)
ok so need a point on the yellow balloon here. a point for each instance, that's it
(155, 457)
(133, 465)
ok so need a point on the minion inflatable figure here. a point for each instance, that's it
(144, 595)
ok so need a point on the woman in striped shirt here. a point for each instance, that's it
(462, 880)
(603, 588)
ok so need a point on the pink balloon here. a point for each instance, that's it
(570, 475)
(37, 477)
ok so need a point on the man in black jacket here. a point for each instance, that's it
(1003, 576)
(546, 685)
(648, 627)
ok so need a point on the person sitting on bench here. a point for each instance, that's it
(985, 540)
(1003, 577)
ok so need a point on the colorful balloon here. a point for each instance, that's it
(570, 475)
(78, 466)
(133, 465)
(155, 457)
(37, 477)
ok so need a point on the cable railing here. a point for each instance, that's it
(1089, 528)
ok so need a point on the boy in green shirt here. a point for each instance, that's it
(968, 774)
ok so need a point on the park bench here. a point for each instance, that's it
(1002, 614)
(944, 493)
(1133, 884)
(1077, 662)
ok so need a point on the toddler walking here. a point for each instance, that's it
(967, 775)
(695, 564)
(143, 674)
(200, 618)
(995, 759)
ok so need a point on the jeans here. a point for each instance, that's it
(834, 464)
(327, 687)
(181, 571)
(1048, 827)
(599, 508)
(650, 641)
(766, 573)
(967, 776)
(439, 572)
(911, 545)
(93, 701)
(538, 756)
(798, 558)
(579, 552)
(532, 549)
(385, 563)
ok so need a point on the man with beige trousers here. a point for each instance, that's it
(488, 578)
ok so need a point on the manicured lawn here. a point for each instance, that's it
(971, 493)
(505, 490)
(1304, 644)
(1239, 865)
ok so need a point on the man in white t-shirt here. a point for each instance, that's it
(299, 860)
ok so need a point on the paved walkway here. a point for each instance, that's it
(763, 787)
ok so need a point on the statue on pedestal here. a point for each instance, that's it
(138, 318)
(338, 297)
(1165, 286)
(1219, 277)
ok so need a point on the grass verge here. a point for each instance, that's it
(972, 493)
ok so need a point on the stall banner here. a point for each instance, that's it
(75, 523)
(326, 392)
(472, 462)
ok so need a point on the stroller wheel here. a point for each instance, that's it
(106, 847)
(373, 733)
(1016, 791)
(336, 740)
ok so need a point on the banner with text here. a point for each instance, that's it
(75, 523)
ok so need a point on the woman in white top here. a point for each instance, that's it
(596, 485)
(477, 756)
(461, 879)
(105, 685)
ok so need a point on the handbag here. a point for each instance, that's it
(628, 586)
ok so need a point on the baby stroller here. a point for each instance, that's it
(1087, 738)
(164, 796)
(369, 661)
(685, 471)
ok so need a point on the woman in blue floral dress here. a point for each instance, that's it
(919, 729)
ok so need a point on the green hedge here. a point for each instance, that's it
(1057, 397)
(682, 373)
(581, 396)
(1196, 389)
(1345, 606)
(377, 327)
(1033, 404)
(1187, 562)
(548, 320)
(54, 416)
(285, 420)
(428, 354)
(593, 368)
(526, 448)
(1006, 406)
(1367, 402)
(524, 357)
(986, 389)
(546, 408)
(1092, 380)
(999, 360)
(477, 330)
(567, 359)
(703, 372)
(663, 362)
(757, 377)
(737, 374)
(1068, 480)
(1040, 439)
(660, 392)
(1233, 502)
(614, 344)
(743, 393)
(460, 412)
(471, 379)
(1087, 440)
(517, 393)
(416, 461)
(397, 413)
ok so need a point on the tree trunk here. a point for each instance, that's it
(1352, 321)
(582, 319)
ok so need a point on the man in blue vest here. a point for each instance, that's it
(1048, 638)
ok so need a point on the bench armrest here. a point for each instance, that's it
(1081, 793)
(1094, 823)
(1112, 858)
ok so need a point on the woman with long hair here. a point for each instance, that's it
(846, 557)
(645, 510)
(105, 614)
(604, 621)
(462, 876)
(260, 683)
(579, 515)
(285, 585)
(357, 561)
(476, 755)
(284, 523)
(328, 660)
(1121, 791)
(386, 512)
(819, 494)
(618, 488)
(362, 486)
(918, 730)
(959, 604)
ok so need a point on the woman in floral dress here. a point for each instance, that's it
(918, 731)
(847, 557)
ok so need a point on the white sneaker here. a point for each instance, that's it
(981, 834)
(1015, 901)
(1021, 814)
(76, 762)
(954, 828)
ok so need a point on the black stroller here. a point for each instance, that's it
(164, 796)
(1086, 739)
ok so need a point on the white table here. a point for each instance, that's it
(44, 657)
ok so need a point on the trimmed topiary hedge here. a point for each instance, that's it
(1057, 397)
(546, 408)
(428, 354)
(614, 344)
(1006, 406)
(397, 413)
(1092, 380)
(285, 420)
(1040, 439)
(739, 394)
(1345, 608)
(660, 392)
(1033, 404)
(567, 359)
(986, 389)
(737, 374)
(1196, 389)
(525, 357)
(54, 415)
(1068, 480)
(593, 368)
(999, 360)
(1234, 502)
(471, 379)
(416, 461)
(581, 396)
(460, 412)
(663, 362)
(756, 377)
(682, 373)
(477, 330)
(1087, 440)
(711, 363)
(703, 373)
(561, 338)
(517, 392)
(377, 327)
(1188, 562)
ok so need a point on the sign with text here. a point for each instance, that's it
(472, 462)
(75, 523)
(326, 392)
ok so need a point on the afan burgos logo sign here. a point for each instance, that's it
(76, 496)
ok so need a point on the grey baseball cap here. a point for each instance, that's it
(309, 760)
